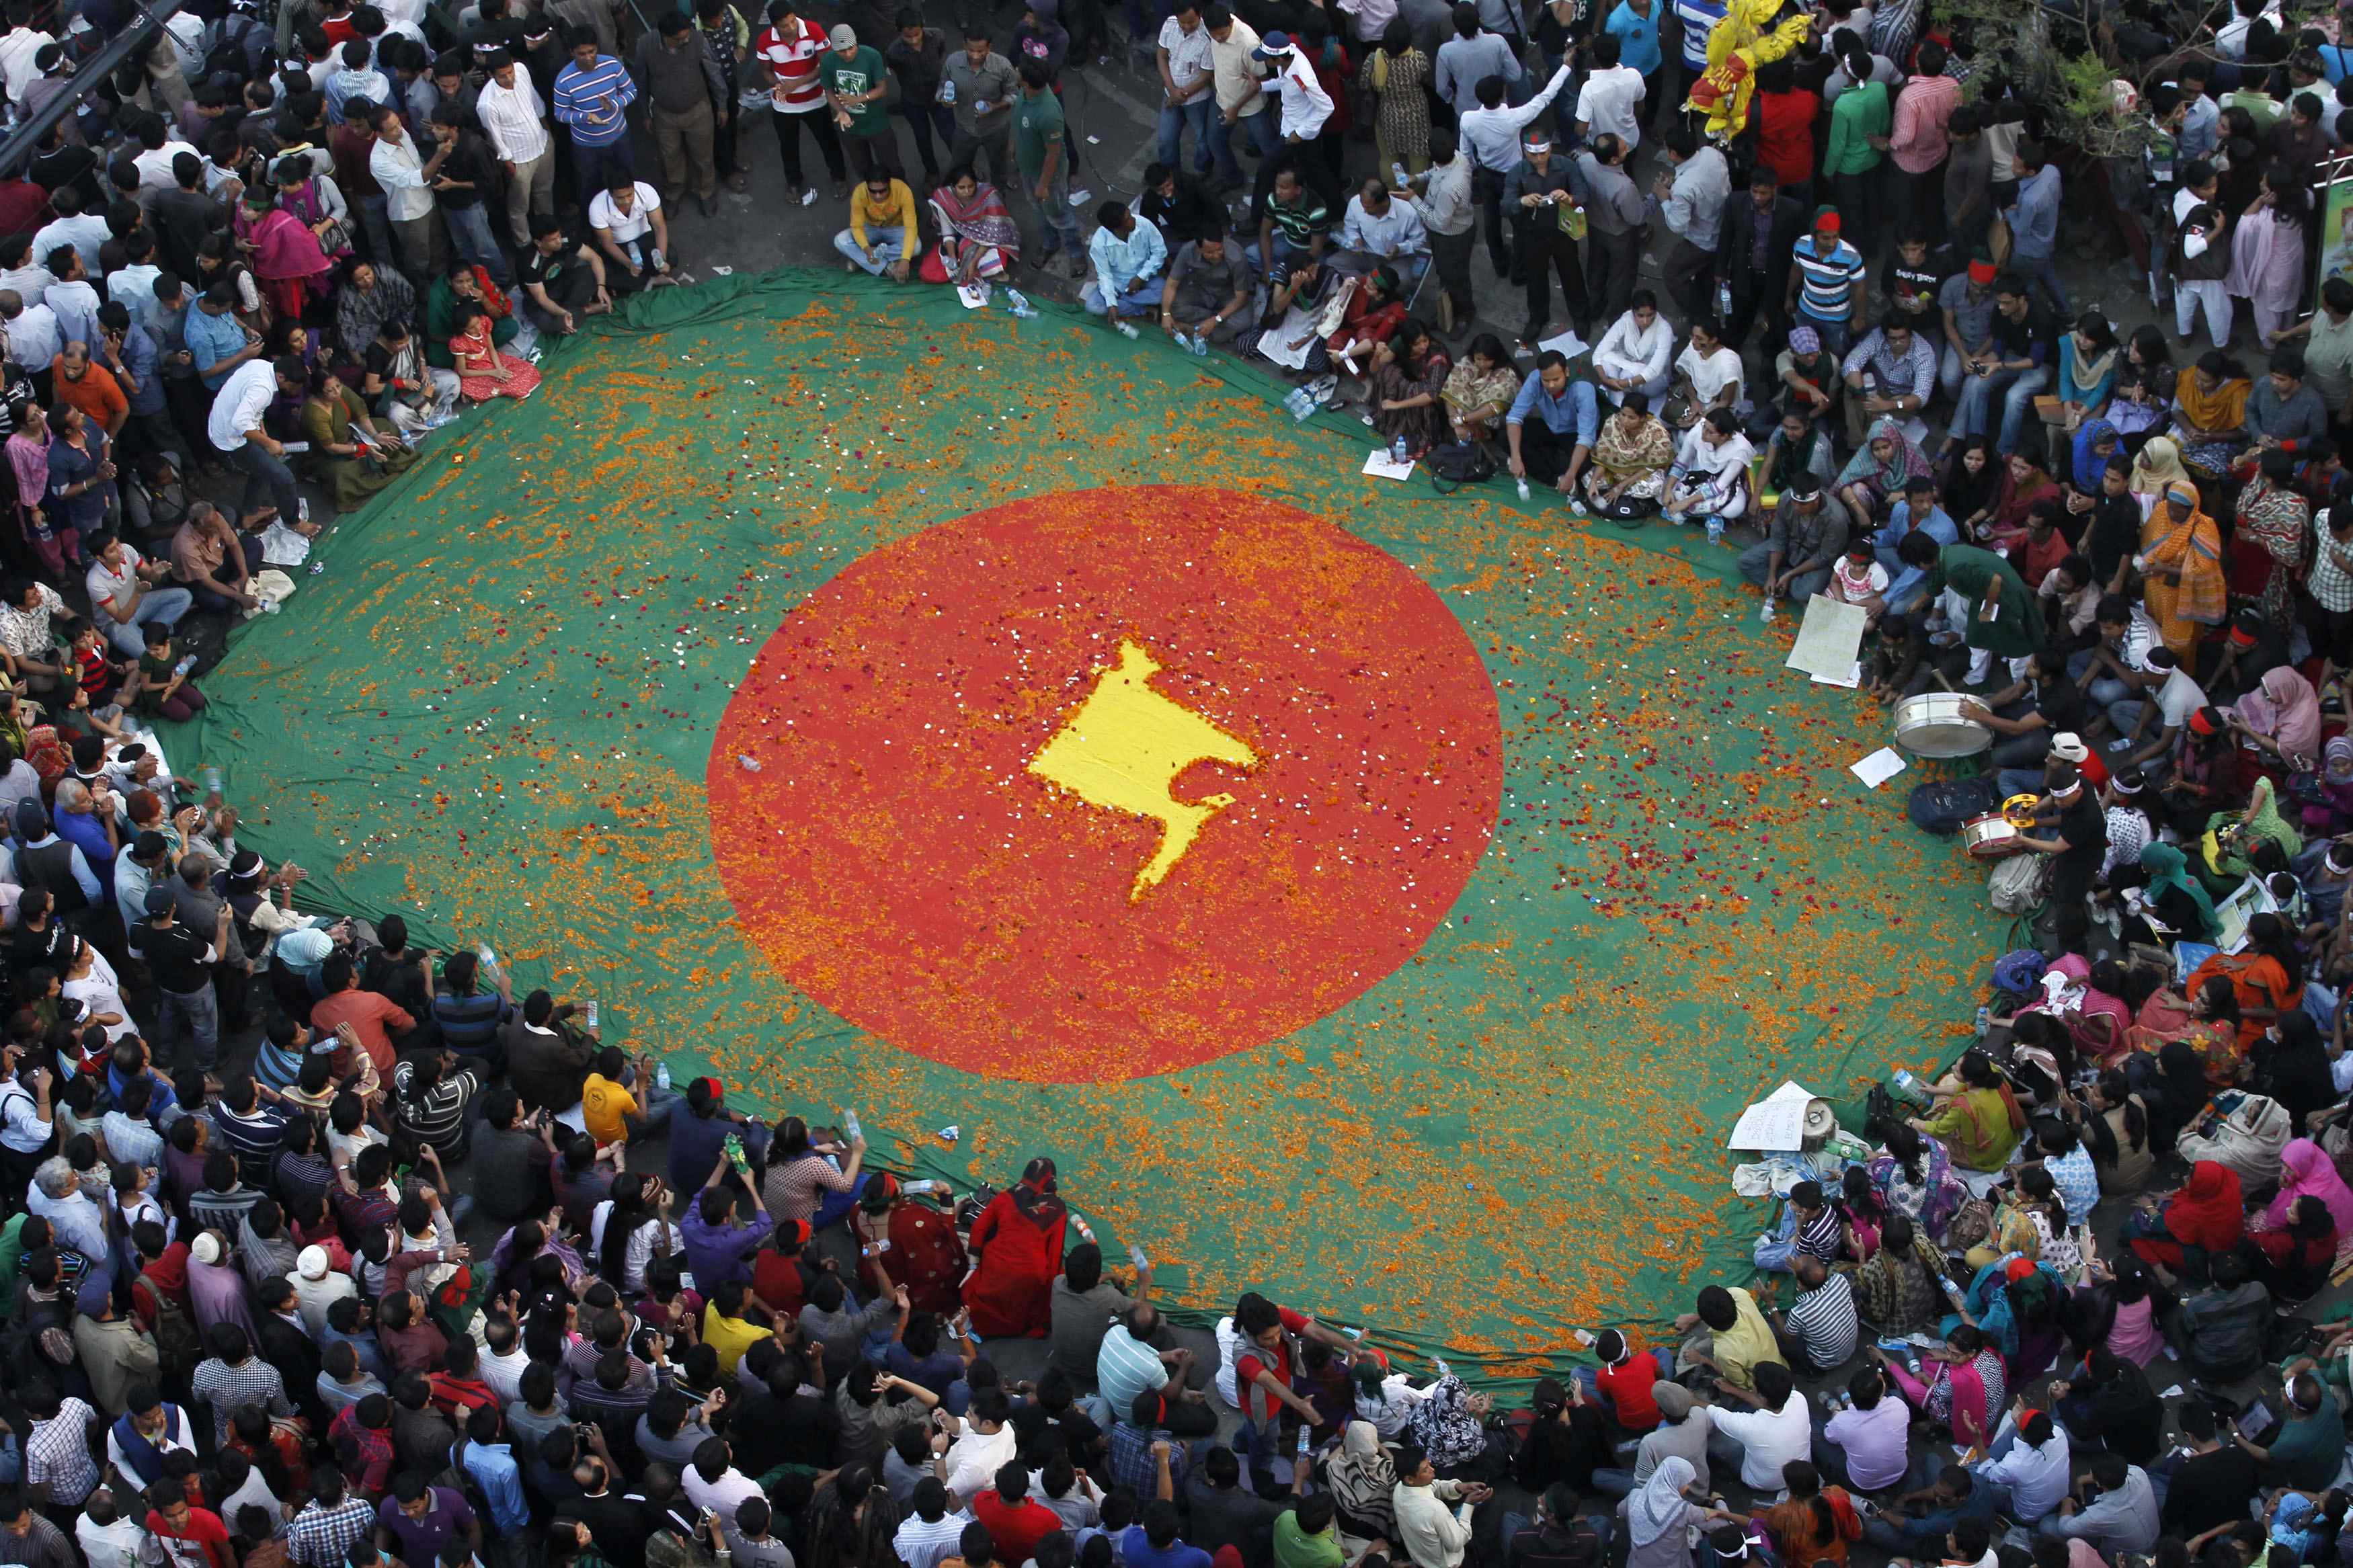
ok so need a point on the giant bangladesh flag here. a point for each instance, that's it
(1380, 899)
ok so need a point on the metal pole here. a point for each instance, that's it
(18, 148)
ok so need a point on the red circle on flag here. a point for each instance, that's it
(985, 822)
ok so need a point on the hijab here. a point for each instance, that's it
(1037, 1197)
(2086, 466)
(2207, 1210)
(2158, 464)
(2286, 708)
(1660, 1506)
(2307, 1173)
(1361, 1475)
(2168, 867)
(1903, 460)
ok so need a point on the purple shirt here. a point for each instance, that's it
(1874, 1442)
(716, 1253)
(422, 1538)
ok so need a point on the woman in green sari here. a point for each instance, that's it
(2225, 856)
(1979, 1125)
(333, 419)
(2004, 617)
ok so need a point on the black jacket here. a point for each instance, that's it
(1736, 243)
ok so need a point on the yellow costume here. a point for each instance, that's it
(1741, 43)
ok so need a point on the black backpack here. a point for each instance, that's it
(1940, 808)
(1459, 463)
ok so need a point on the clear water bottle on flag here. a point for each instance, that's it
(1302, 403)
(1019, 303)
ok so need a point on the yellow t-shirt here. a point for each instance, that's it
(1748, 1342)
(603, 1103)
(731, 1337)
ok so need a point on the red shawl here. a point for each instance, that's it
(2207, 1212)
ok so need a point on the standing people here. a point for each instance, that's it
(690, 101)
(791, 45)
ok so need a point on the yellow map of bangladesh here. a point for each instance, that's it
(1123, 750)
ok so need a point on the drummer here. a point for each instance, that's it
(2070, 827)
(2024, 716)
(2003, 616)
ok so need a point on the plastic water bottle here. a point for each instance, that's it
(1724, 301)
(1714, 529)
(1397, 450)
(1984, 1021)
(661, 1077)
(1302, 403)
(947, 91)
(489, 959)
(1396, 175)
(589, 1012)
(849, 1125)
(1766, 610)
(1185, 342)
(1019, 303)
(751, 765)
(212, 778)
(1437, 1364)
(1135, 1256)
(1524, 490)
(916, 1189)
(1127, 329)
(1201, 345)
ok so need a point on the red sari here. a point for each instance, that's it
(1018, 1237)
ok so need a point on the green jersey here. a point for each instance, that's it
(1037, 125)
(854, 74)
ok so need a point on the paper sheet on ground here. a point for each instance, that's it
(1828, 638)
(973, 295)
(1381, 466)
(1849, 678)
(1569, 344)
(1775, 1122)
(1878, 768)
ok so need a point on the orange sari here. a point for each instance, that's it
(2193, 545)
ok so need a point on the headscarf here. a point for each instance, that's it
(2086, 466)
(2207, 1212)
(2286, 708)
(1903, 460)
(1660, 1506)
(1362, 1476)
(2158, 464)
(2168, 867)
(2307, 1172)
(302, 952)
(2337, 759)
(1037, 1197)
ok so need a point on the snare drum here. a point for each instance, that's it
(1930, 725)
(1990, 836)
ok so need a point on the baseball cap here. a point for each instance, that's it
(1274, 45)
(841, 37)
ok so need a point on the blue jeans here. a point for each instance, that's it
(470, 232)
(2040, 270)
(1142, 298)
(375, 222)
(267, 482)
(655, 1107)
(890, 244)
(1173, 121)
(2016, 404)
(1255, 130)
(198, 1013)
(164, 605)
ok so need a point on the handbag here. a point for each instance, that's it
(2016, 886)
(1997, 241)
(1458, 463)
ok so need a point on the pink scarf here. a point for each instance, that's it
(2307, 1173)
(2286, 708)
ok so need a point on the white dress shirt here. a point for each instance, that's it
(513, 118)
(1305, 105)
(1627, 349)
(1397, 232)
